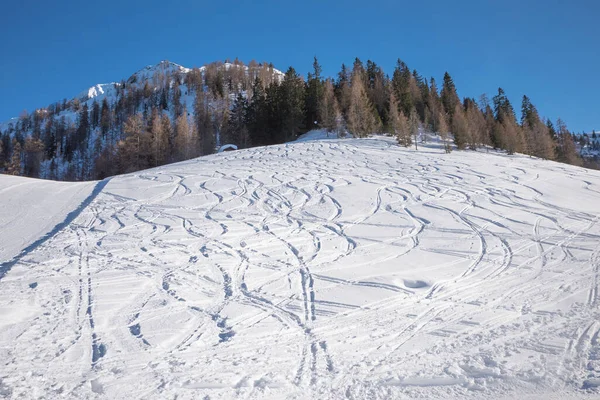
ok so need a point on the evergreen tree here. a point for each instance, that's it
(401, 85)
(204, 126)
(95, 115)
(257, 116)
(342, 89)
(238, 130)
(377, 89)
(105, 118)
(314, 94)
(292, 105)
(502, 107)
(449, 96)
(435, 106)
(49, 139)
(83, 129)
(176, 96)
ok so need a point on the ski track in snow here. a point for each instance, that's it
(321, 269)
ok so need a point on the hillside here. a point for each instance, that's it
(342, 268)
(168, 113)
(79, 138)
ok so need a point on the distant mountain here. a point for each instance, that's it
(59, 142)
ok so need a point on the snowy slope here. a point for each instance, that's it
(321, 269)
(31, 208)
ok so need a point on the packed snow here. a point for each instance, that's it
(342, 268)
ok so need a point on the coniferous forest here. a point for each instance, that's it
(168, 113)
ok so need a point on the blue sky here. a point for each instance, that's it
(547, 49)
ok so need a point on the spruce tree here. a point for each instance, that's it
(314, 94)
(238, 130)
(104, 118)
(292, 105)
(204, 126)
(257, 116)
(449, 96)
(401, 84)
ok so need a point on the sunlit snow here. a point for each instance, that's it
(342, 268)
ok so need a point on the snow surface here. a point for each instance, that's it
(31, 208)
(345, 268)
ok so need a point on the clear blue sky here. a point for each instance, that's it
(547, 49)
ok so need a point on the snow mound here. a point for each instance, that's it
(316, 134)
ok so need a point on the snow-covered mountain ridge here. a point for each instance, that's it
(71, 139)
(325, 269)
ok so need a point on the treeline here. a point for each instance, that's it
(176, 114)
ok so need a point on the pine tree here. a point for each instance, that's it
(83, 128)
(49, 138)
(104, 118)
(314, 94)
(238, 130)
(537, 135)
(449, 96)
(292, 105)
(176, 96)
(95, 115)
(257, 116)
(343, 89)
(377, 89)
(502, 107)
(401, 85)
(434, 105)
(204, 126)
